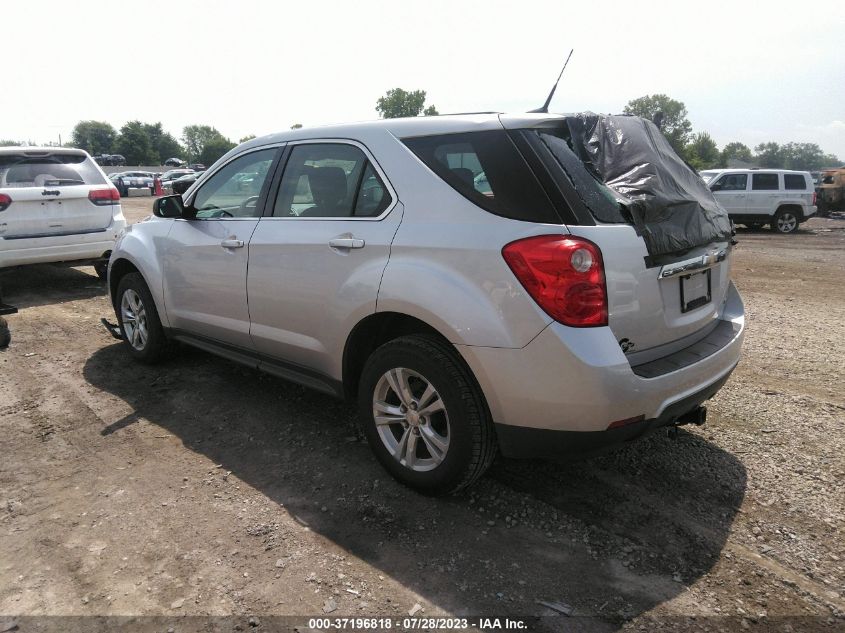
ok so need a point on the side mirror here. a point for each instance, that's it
(716, 187)
(169, 207)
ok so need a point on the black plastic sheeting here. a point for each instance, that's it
(665, 200)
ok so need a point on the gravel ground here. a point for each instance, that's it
(203, 488)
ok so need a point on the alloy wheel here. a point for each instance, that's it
(787, 222)
(411, 419)
(133, 315)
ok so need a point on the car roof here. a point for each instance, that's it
(409, 126)
(42, 151)
(748, 170)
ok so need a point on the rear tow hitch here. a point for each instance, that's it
(697, 416)
(113, 329)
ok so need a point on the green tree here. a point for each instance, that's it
(769, 155)
(675, 125)
(9, 143)
(738, 151)
(400, 103)
(246, 138)
(95, 137)
(134, 144)
(806, 157)
(702, 152)
(163, 143)
(213, 149)
(196, 137)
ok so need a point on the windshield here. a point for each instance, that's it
(55, 170)
(707, 176)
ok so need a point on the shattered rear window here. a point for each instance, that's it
(600, 200)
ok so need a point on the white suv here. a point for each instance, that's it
(468, 279)
(56, 205)
(780, 198)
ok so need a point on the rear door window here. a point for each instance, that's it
(55, 170)
(330, 180)
(794, 181)
(487, 169)
(764, 182)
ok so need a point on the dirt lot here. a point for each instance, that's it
(202, 488)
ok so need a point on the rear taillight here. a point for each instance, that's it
(104, 197)
(5, 201)
(815, 197)
(564, 275)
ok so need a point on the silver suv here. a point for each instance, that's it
(444, 272)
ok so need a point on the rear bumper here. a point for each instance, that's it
(64, 248)
(519, 442)
(578, 382)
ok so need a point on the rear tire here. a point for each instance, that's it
(434, 432)
(785, 221)
(139, 323)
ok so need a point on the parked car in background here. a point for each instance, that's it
(174, 162)
(56, 205)
(181, 185)
(126, 180)
(197, 167)
(781, 198)
(467, 315)
(168, 177)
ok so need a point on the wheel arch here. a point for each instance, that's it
(376, 330)
(791, 206)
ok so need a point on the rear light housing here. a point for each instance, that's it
(564, 275)
(815, 197)
(5, 201)
(104, 197)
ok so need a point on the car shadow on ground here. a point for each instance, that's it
(45, 284)
(613, 536)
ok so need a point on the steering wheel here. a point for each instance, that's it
(242, 211)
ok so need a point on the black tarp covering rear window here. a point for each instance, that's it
(668, 203)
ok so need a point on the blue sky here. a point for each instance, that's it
(750, 72)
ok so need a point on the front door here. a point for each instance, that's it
(730, 191)
(316, 261)
(205, 257)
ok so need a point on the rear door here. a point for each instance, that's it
(730, 191)
(316, 259)
(764, 193)
(205, 258)
(49, 194)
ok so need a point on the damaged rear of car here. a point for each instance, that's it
(674, 319)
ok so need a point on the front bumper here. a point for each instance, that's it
(578, 382)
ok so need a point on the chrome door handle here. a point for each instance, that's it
(232, 243)
(346, 242)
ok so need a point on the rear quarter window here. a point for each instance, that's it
(487, 169)
(794, 181)
(56, 170)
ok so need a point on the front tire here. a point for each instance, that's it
(785, 221)
(139, 322)
(424, 415)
